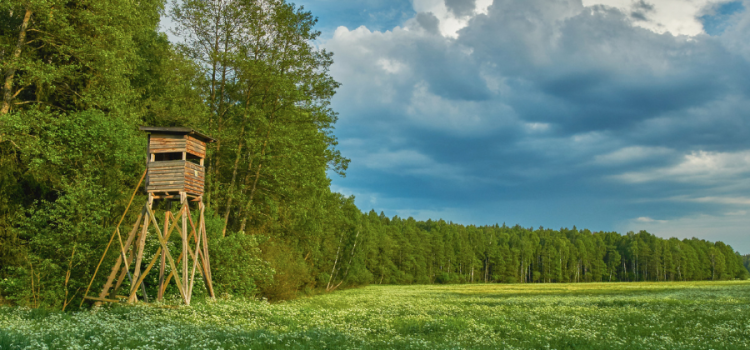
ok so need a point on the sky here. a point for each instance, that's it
(611, 115)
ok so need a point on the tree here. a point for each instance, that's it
(612, 258)
(68, 140)
(270, 103)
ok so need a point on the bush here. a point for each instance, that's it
(292, 274)
(236, 265)
(445, 278)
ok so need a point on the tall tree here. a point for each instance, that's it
(69, 146)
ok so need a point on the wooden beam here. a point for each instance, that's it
(135, 190)
(179, 259)
(185, 246)
(206, 263)
(140, 245)
(169, 256)
(143, 275)
(163, 261)
(119, 261)
(195, 258)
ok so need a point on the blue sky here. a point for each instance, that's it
(609, 115)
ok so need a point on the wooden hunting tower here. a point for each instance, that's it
(174, 171)
(175, 161)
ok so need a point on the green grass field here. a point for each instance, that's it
(697, 315)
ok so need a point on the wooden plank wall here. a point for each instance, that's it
(196, 147)
(166, 143)
(194, 178)
(175, 176)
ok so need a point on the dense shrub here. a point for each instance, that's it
(237, 267)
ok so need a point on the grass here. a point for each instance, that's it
(694, 315)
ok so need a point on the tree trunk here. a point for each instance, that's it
(231, 185)
(257, 177)
(212, 114)
(351, 258)
(220, 112)
(8, 85)
(335, 262)
(246, 181)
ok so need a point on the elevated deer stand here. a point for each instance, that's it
(174, 172)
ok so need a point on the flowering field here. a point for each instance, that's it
(697, 315)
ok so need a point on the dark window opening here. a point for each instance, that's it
(160, 157)
(193, 159)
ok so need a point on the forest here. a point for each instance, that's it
(80, 77)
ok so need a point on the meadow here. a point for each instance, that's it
(687, 315)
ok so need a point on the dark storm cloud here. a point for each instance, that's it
(546, 113)
(606, 73)
(461, 8)
(641, 9)
(429, 22)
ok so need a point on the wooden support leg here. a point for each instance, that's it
(175, 224)
(198, 238)
(198, 255)
(116, 268)
(140, 246)
(185, 248)
(86, 293)
(159, 253)
(124, 272)
(204, 257)
(163, 243)
(163, 261)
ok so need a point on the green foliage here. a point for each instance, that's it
(446, 278)
(74, 167)
(236, 266)
(398, 251)
(69, 146)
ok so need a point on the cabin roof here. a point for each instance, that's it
(178, 130)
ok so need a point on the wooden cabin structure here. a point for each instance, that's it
(175, 161)
(174, 171)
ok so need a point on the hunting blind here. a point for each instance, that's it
(174, 171)
(175, 161)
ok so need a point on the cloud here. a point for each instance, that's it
(719, 16)
(631, 154)
(678, 17)
(463, 117)
(461, 8)
(734, 35)
(429, 22)
(410, 162)
(743, 201)
(453, 15)
(699, 168)
(649, 220)
(641, 10)
(600, 111)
